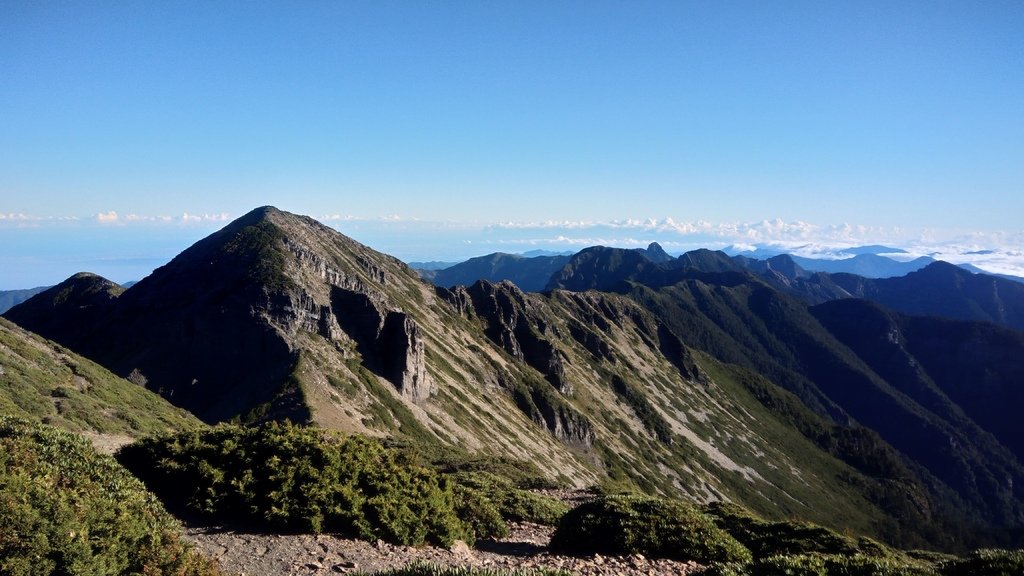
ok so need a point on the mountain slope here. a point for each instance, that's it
(67, 311)
(530, 274)
(44, 382)
(971, 372)
(942, 289)
(754, 326)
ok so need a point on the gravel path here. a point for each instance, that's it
(309, 555)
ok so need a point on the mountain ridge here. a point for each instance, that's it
(703, 384)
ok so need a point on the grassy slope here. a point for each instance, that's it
(45, 382)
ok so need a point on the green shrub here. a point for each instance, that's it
(65, 509)
(452, 460)
(987, 563)
(288, 478)
(727, 569)
(838, 565)
(479, 513)
(765, 538)
(655, 527)
(514, 504)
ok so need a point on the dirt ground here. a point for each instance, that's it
(315, 555)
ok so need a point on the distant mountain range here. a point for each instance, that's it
(529, 273)
(11, 298)
(885, 407)
(532, 272)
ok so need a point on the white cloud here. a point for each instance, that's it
(202, 218)
(107, 217)
(141, 218)
(994, 251)
(19, 217)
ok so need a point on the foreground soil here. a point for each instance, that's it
(309, 555)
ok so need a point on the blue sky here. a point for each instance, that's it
(432, 130)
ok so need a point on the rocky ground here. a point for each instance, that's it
(309, 555)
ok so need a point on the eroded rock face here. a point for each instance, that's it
(458, 297)
(506, 309)
(569, 426)
(510, 323)
(404, 356)
(389, 340)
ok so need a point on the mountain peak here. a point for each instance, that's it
(66, 311)
(656, 253)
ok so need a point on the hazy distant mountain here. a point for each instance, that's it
(535, 253)
(11, 298)
(530, 274)
(867, 265)
(763, 252)
(873, 249)
(712, 385)
(432, 265)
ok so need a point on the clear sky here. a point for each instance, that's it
(130, 129)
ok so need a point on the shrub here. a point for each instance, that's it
(479, 513)
(65, 509)
(987, 563)
(512, 503)
(453, 460)
(289, 478)
(727, 569)
(655, 527)
(765, 538)
(838, 565)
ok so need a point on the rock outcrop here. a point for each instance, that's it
(506, 312)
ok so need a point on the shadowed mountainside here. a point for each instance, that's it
(44, 382)
(530, 274)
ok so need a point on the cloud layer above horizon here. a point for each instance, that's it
(127, 246)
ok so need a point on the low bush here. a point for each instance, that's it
(479, 513)
(838, 565)
(987, 563)
(288, 478)
(512, 503)
(765, 538)
(654, 527)
(65, 509)
(823, 565)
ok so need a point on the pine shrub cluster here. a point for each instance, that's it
(288, 478)
(655, 527)
(66, 509)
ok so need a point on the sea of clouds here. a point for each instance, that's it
(44, 251)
